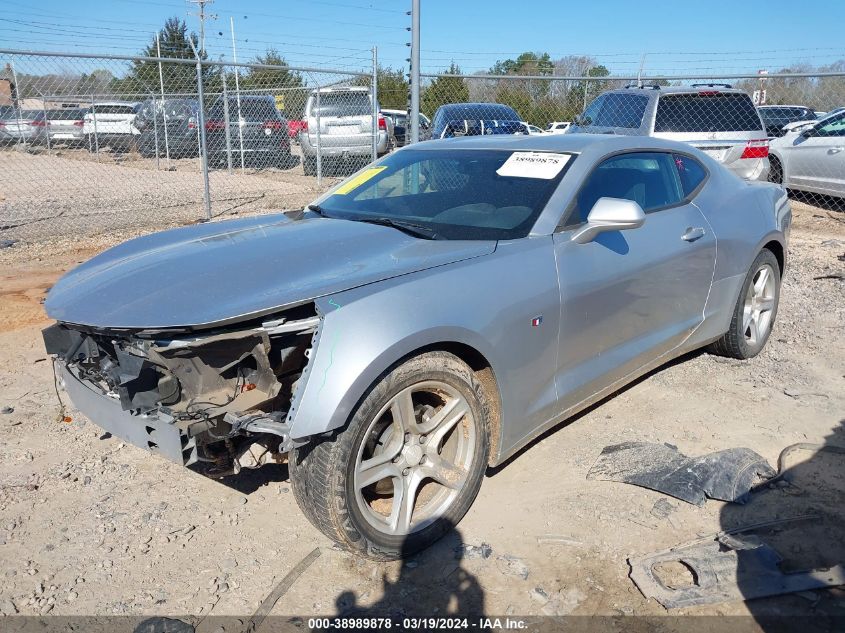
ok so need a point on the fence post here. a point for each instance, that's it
(319, 150)
(155, 131)
(163, 103)
(414, 119)
(376, 105)
(46, 119)
(226, 123)
(201, 123)
(94, 118)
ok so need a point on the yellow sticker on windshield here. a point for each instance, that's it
(353, 183)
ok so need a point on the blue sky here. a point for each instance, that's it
(728, 36)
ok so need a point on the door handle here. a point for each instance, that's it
(835, 150)
(692, 234)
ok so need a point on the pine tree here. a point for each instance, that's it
(444, 90)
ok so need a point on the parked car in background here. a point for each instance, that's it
(111, 124)
(419, 322)
(344, 118)
(558, 127)
(295, 128)
(812, 159)
(169, 127)
(532, 129)
(22, 126)
(66, 126)
(257, 132)
(775, 117)
(401, 129)
(475, 119)
(717, 119)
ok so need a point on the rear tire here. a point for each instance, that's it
(755, 310)
(775, 171)
(423, 423)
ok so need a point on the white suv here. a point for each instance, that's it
(111, 123)
(345, 121)
(717, 119)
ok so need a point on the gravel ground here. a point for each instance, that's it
(90, 525)
(67, 194)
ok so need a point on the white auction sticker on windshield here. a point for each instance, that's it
(543, 165)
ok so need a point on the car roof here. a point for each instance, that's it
(785, 105)
(342, 89)
(116, 103)
(567, 143)
(664, 90)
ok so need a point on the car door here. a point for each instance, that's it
(817, 162)
(628, 297)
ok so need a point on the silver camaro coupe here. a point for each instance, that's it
(423, 320)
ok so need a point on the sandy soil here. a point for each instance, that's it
(89, 525)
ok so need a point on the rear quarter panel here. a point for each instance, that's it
(744, 216)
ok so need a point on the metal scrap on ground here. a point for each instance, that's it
(730, 565)
(725, 475)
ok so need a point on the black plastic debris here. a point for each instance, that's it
(731, 565)
(726, 475)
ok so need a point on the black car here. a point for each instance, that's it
(474, 119)
(776, 116)
(168, 127)
(400, 126)
(258, 134)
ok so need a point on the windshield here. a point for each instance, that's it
(456, 194)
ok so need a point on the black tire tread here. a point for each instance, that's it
(732, 343)
(317, 469)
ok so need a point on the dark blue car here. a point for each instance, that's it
(475, 119)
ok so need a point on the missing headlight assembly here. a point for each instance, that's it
(220, 396)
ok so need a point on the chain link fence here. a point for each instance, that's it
(787, 128)
(90, 144)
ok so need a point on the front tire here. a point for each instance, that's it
(407, 466)
(755, 310)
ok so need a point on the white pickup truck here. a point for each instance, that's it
(111, 123)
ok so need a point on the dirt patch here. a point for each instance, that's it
(89, 525)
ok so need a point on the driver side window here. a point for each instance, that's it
(648, 178)
(833, 128)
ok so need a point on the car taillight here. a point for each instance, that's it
(272, 125)
(756, 149)
(304, 125)
(192, 124)
(215, 124)
(382, 125)
(78, 123)
(708, 93)
(38, 123)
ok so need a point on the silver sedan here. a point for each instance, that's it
(811, 158)
(421, 321)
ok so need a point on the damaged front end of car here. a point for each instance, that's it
(221, 396)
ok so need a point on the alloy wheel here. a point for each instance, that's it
(759, 304)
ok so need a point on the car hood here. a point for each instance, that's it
(223, 272)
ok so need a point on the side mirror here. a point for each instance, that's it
(610, 214)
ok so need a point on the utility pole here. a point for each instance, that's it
(415, 72)
(202, 16)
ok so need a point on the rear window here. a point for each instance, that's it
(68, 114)
(620, 110)
(717, 112)
(114, 109)
(342, 104)
(777, 114)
